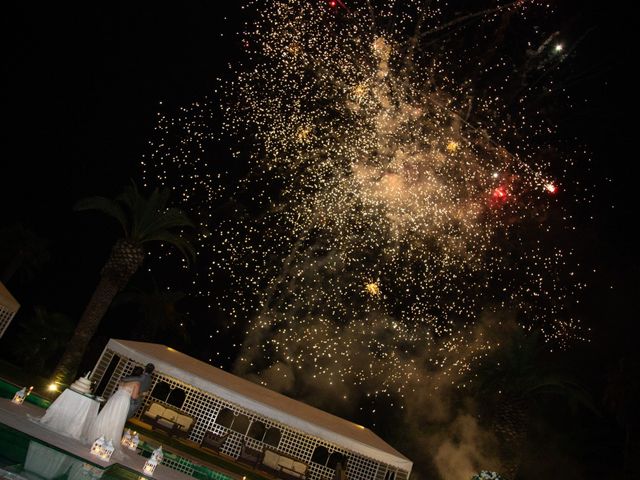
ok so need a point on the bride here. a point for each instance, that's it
(111, 420)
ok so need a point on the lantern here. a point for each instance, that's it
(154, 461)
(107, 451)
(135, 440)
(150, 466)
(103, 449)
(130, 440)
(97, 447)
(157, 454)
(20, 395)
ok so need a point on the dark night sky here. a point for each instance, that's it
(82, 85)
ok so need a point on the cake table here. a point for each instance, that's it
(71, 414)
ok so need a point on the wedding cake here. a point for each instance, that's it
(82, 385)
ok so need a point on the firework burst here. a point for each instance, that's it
(379, 150)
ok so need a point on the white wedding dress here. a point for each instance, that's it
(110, 421)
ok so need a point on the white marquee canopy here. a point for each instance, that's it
(262, 401)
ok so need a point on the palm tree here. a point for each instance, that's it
(143, 220)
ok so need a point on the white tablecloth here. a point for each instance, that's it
(71, 414)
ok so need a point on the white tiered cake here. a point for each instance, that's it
(82, 384)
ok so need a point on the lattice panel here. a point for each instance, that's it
(382, 470)
(6, 316)
(101, 367)
(358, 467)
(400, 475)
(204, 407)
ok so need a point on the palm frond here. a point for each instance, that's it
(154, 209)
(106, 206)
(182, 244)
(169, 219)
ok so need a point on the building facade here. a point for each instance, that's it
(219, 415)
(8, 308)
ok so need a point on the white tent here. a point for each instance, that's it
(262, 401)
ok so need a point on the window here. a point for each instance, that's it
(256, 431)
(176, 397)
(225, 417)
(240, 424)
(272, 437)
(320, 455)
(334, 459)
(173, 396)
(161, 391)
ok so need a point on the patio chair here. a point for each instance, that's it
(249, 456)
(213, 441)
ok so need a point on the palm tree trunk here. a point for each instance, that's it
(125, 259)
(94, 312)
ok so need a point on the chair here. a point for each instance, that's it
(283, 466)
(214, 442)
(249, 455)
(174, 423)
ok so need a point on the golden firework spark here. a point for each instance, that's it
(372, 288)
(374, 191)
(452, 146)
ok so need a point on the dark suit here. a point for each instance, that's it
(145, 383)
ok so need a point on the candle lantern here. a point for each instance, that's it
(135, 441)
(130, 440)
(126, 438)
(154, 461)
(108, 451)
(150, 466)
(20, 395)
(157, 454)
(98, 447)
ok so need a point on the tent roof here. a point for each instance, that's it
(263, 401)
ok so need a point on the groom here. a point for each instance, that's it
(145, 383)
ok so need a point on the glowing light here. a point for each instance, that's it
(551, 188)
(372, 289)
(500, 193)
(559, 47)
(53, 387)
(303, 133)
(353, 121)
(453, 146)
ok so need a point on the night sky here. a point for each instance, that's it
(82, 89)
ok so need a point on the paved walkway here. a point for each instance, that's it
(15, 416)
